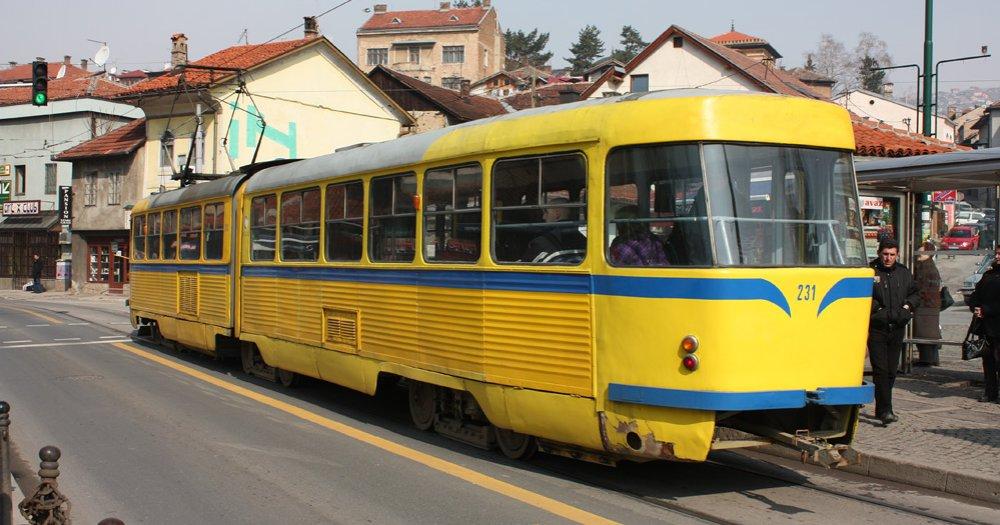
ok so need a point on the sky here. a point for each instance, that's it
(138, 33)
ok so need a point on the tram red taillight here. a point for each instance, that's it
(690, 362)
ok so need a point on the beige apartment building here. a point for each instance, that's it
(443, 46)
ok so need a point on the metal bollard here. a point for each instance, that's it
(47, 506)
(6, 503)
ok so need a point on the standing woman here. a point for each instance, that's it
(927, 317)
(985, 304)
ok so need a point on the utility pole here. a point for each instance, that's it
(928, 63)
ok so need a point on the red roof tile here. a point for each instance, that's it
(464, 108)
(873, 139)
(120, 141)
(135, 73)
(472, 16)
(22, 72)
(64, 88)
(550, 95)
(242, 57)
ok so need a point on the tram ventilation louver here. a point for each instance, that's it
(341, 327)
(187, 293)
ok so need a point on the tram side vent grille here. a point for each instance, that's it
(341, 327)
(187, 293)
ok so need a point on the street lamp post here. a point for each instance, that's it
(919, 76)
(936, 66)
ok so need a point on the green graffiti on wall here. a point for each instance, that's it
(288, 140)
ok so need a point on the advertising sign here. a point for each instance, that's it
(880, 219)
(65, 206)
(5, 170)
(4, 190)
(945, 196)
(22, 207)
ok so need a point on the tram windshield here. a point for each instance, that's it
(751, 205)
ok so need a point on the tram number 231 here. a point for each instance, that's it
(807, 292)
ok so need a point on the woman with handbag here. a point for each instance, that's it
(985, 305)
(927, 317)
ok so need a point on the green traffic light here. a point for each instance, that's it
(40, 99)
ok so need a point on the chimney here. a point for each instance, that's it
(178, 50)
(67, 60)
(445, 6)
(12, 64)
(464, 87)
(381, 8)
(311, 26)
(83, 64)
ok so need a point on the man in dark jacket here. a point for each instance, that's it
(894, 298)
(36, 273)
(985, 304)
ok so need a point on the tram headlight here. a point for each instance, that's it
(690, 362)
(689, 344)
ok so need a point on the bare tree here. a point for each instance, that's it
(832, 60)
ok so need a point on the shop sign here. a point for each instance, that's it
(945, 196)
(5, 170)
(65, 206)
(16, 208)
(871, 203)
(4, 190)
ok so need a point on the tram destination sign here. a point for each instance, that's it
(18, 208)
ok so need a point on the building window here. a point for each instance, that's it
(167, 150)
(640, 83)
(114, 188)
(378, 56)
(50, 178)
(90, 189)
(454, 54)
(452, 83)
(99, 263)
(392, 219)
(415, 54)
(678, 41)
(20, 180)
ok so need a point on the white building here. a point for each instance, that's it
(894, 113)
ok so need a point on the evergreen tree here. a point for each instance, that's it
(868, 79)
(526, 49)
(632, 45)
(587, 48)
(810, 65)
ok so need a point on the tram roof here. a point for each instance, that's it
(941, 171)
(413, 149)
(223, 187)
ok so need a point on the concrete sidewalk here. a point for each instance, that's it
(945, 439)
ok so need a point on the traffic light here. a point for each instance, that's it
(39, 83)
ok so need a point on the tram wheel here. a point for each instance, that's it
(287, 378)
(423, 404)
(515, 445)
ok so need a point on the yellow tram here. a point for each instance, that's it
(649, 276)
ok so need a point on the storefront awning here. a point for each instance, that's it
(925, 173)
(45, 221)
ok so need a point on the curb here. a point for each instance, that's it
(892, 469)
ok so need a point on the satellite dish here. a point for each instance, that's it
(62, 71)
(113, 70)
(102, 55)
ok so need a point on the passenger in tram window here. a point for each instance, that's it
(557, 240)
(635, 245)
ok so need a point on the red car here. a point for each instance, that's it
(961, 238)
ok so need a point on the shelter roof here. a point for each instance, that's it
(425, 19)
(461, 107)
(946, 171)
(119, 141)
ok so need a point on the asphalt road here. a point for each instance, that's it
(153, 436)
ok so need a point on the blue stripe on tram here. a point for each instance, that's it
(761, 400)
(210, 269)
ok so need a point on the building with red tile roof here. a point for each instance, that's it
(121, 141)
(21, 73)
(549, 95)
(874, 139)
(66, 88)
(433, 107)
(752, 46)
(441, 46)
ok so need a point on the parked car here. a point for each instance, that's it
(969, 284)
(961, 238)
(969, 217)
(963, 206)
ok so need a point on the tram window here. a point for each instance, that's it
(170, 235)
(153, 236)
(392, 219)
(453, 214)
(263, 217)
(344, 221)
(215, 223)
(300, 225)
(191, 233)
(656, 207)
(539, 210)
(138, 237)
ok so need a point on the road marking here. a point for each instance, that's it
(110, 337)
(36, 325)
(122, 323)
(13, 342)
(77, 324)
(68, 339)
(476, 478)
(3, 327)
(36, 345)
(34, 313)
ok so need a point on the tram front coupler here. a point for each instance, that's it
(817, 450)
